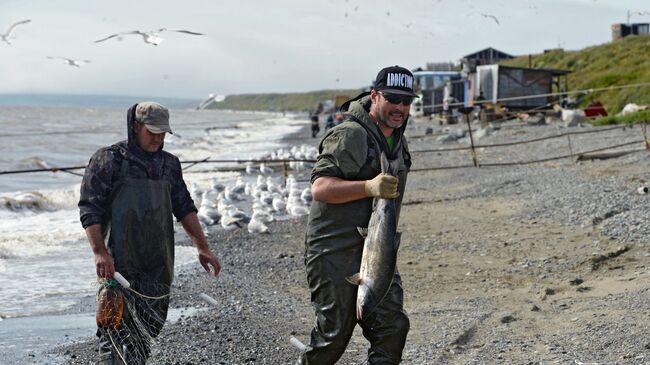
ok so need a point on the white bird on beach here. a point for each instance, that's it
(70, 61)
(306, 196)
(255, 227)
(265, 170)
(7, 36)
(151, 37)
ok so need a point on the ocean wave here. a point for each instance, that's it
(41, 201)
(33, 162)
(33, 201)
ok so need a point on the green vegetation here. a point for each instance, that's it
(638, 117)
(278, 102)
(613, 64)
(608, 65)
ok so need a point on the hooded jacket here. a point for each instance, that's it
(104, 168)
(351, 151)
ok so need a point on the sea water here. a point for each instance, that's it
(46, 264)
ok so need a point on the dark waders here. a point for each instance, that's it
(141, 242)
(334, 300)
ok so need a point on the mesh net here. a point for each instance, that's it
(128, 319)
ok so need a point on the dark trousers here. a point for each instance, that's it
(334, 300)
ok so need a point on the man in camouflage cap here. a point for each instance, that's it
(129, 193)
(345, 179)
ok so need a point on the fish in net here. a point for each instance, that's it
(129, 318)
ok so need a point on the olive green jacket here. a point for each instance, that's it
(352, 151)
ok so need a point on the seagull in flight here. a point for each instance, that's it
(490, 16)
(70, 61)
(151, 37)
(7, 36)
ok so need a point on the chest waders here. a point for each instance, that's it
(333, 252)
(140, 238)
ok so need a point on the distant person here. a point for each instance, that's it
(315, 128)
(345, 179)
(319, 108)
(482, 110)
(129, 193)
(329, 122)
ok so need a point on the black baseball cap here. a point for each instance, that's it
(395, 80)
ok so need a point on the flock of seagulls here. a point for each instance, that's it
(151, 37)
(254, 204)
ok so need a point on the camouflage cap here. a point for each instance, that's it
(154, 116)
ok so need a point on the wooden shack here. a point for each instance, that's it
(517, 88)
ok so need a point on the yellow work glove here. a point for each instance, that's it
(382, 186)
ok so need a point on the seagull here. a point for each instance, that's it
(151, 37)
(255, 226)
(70, 61)
(7, 36)
(490, 16)
(212, 98)
(265, 170)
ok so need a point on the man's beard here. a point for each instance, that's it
(385, 118)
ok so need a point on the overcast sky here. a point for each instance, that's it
(254, 46)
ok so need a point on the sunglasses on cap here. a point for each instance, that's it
(398, 98)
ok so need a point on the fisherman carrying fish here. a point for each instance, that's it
(129, 193)
(351, 281)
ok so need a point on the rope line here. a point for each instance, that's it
(284, 161)
(517, 142)
(148, 297)
(496, 164)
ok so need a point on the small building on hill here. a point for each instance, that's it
(487, 56)
(620, 30)
(519, 88)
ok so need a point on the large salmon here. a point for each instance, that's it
(379, 258)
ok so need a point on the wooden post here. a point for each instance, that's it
(286, 171)
(466, 111)
(568, 137)
(645, 135)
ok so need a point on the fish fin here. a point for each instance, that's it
(398, 240)
(363, 231)
(385, 165)
(389, 167)
(354, 279)
(393, 167)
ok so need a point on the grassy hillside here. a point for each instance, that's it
(278, 102)
(618, 63)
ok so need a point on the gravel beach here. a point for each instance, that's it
(524, 264)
